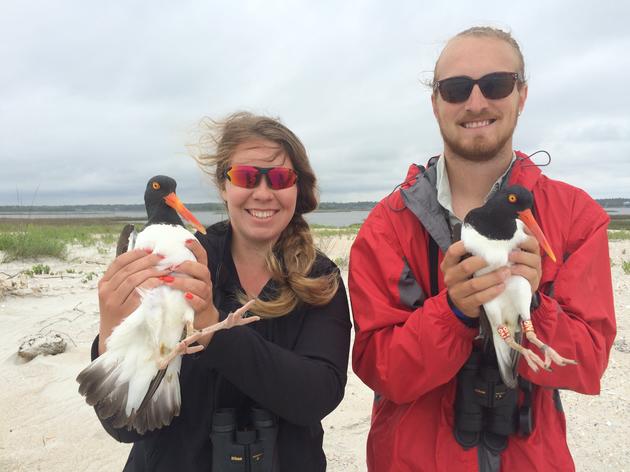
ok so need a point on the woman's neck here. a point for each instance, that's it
(251, 265)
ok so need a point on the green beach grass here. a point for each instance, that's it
(31, 239)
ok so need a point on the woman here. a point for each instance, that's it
(289, 367)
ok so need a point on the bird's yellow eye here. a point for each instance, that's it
(155, 186)
(512, 198)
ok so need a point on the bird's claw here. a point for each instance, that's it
(233, 319)
(552, 355)
(533, 360)
(183, 347)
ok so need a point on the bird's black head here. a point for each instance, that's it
(511, 200)
(158, 211)
(497, 218)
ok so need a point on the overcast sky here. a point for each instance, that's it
(96, 97)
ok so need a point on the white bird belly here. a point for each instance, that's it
(167, 240)
(513, 302)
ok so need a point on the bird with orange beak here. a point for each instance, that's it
(136, 380)
(492, 232)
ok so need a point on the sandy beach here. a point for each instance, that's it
(46, 425)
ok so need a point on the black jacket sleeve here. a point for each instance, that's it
(301, 385)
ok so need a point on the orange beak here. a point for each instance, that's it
(527, 217)
(173, 201)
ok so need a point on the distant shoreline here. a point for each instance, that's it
(611, 205)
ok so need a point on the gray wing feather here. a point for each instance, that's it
(126, 240)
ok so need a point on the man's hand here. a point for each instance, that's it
(466, 292)
(527, 261)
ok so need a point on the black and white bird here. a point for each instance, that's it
(135, 382)
(492, 232)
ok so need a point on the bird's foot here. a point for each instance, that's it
(233, 319)
(552, 355)
(183, 347)
(533, 360)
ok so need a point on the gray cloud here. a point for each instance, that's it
(96, 98)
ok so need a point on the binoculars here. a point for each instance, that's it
(249, 449)
(485, 409)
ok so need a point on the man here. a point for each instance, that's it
(416, 309)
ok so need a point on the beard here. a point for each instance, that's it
(480, 149)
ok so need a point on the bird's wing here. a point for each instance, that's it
(126, 239)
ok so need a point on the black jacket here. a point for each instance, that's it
(294, 366)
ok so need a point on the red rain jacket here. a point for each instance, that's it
(409, 346)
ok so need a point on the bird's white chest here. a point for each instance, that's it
(494, 251)
(167, 240)
(160, 318)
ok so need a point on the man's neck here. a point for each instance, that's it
(471, 181)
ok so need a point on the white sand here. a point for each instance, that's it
(46, 425)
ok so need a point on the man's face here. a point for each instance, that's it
(479, 128)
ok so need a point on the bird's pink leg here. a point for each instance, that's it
(232, 320)
(192, 335)
(183, 347)
(550, 353)
(533, 360)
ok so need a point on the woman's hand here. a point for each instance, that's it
(117, 294)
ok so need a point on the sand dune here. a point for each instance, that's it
(46, 425)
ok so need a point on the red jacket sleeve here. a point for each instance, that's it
(577, 316)
(399, 352)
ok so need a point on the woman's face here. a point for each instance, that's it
(259, 215)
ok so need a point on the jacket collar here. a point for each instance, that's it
(419, 194)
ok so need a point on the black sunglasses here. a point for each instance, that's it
(493, 86)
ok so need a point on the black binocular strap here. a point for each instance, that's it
(433, 265)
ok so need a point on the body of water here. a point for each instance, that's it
(329, 218)
(618, 211)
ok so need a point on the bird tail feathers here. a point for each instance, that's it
(101, 385)
(162, 401)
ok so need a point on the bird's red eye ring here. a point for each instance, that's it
(155, 186)
(512, 198)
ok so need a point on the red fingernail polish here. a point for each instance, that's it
(148, 251)
(167, 278)
(189, 295)
(190, 241)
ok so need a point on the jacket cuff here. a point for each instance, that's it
(443, 311)
(465, 319)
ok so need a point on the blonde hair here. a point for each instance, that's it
(489, 32)
(291, 259)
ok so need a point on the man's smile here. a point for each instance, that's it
(477, 124)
